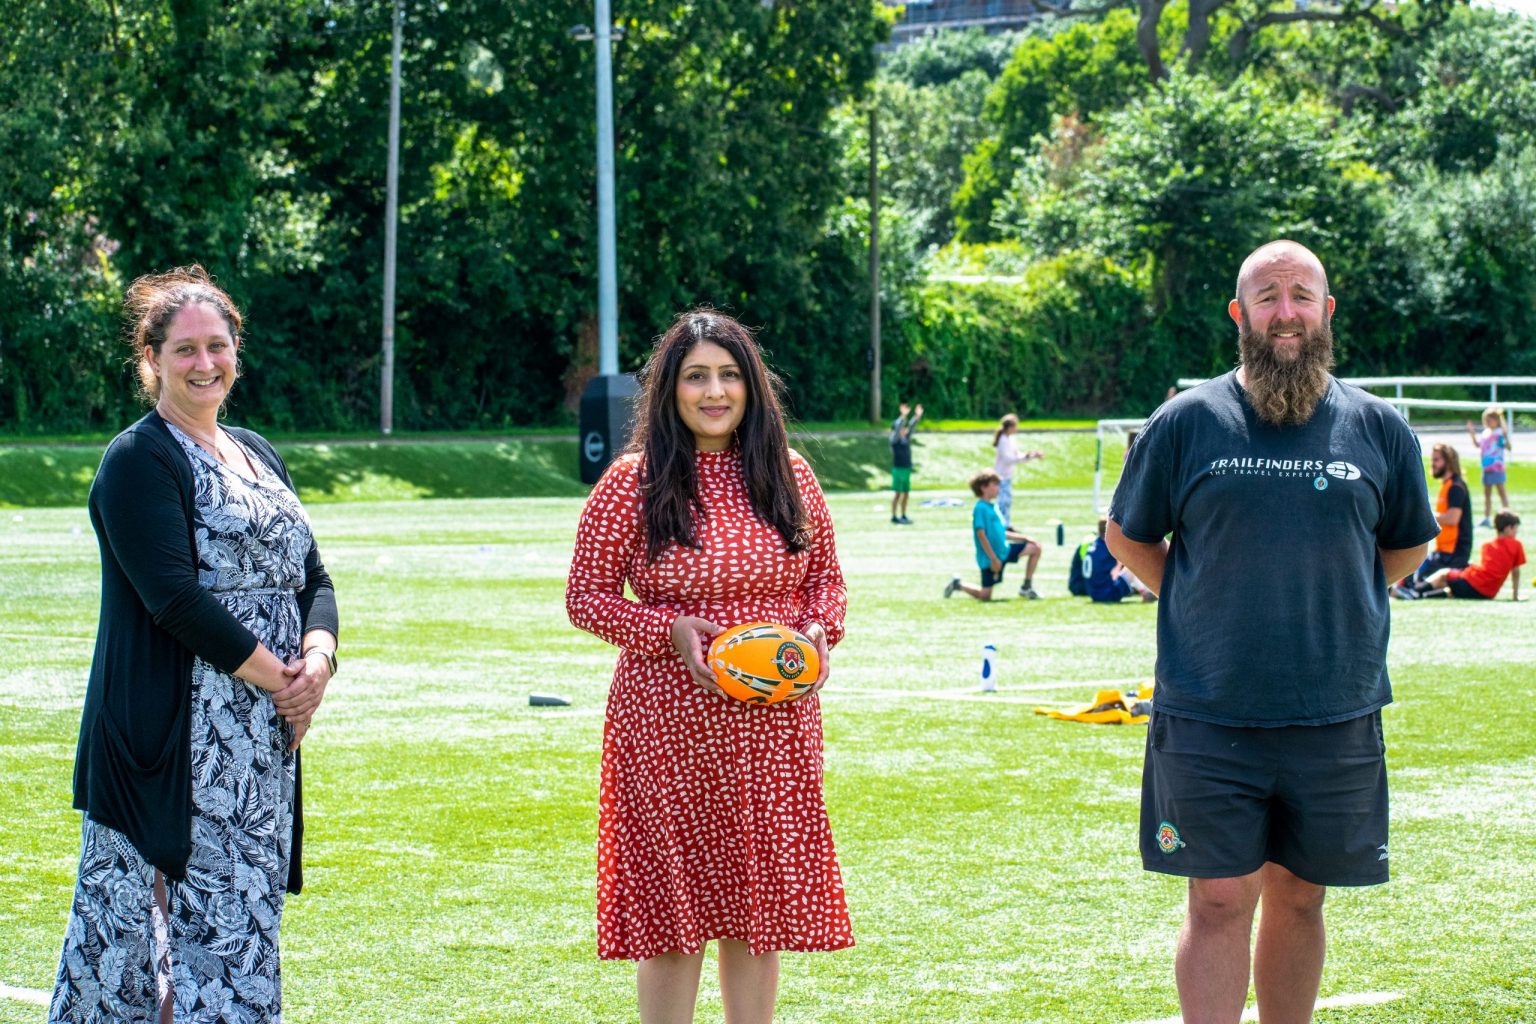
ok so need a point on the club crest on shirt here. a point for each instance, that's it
(1321, 483)
(1168, 838)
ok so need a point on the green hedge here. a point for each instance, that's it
(1058, 339)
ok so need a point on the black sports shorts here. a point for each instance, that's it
(992, 579)
(1219, 801)
(1459, 587)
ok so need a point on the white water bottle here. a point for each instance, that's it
(988, 668)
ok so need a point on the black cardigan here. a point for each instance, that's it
(133, 766)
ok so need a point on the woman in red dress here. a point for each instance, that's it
(711, 819)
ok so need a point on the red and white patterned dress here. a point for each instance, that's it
(711, 821)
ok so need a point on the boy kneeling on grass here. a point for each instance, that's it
(996, 544)
(1500, 558)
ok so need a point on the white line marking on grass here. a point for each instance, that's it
(1332, 1002)
(964, 696)
(25, 995)
(576, 712)
(50, 637)
(1001, 696)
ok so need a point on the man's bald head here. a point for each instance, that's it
(1281, 253)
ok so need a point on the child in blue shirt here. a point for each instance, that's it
(997, 546)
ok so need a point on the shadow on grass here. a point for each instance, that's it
(385, 471)
(390, 470)
(846, 463)
(61, 477)
(47, 477)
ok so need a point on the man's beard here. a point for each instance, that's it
(1285, 391)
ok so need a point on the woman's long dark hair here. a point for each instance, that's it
(667, 478)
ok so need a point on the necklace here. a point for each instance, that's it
(211, 443)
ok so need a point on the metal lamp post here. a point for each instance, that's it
(391, 222)
(607, 399)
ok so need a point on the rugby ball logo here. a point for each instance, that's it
(764, 663)
(790, 660)
(1343, 470)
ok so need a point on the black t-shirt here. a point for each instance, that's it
(901, 447)
(1273, 605)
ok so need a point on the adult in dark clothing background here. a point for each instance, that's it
(1292, 499)
(216, 640)
(901, 460)
(1453, 511)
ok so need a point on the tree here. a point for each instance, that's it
(251, 138)
(1081, 71)
(942, 57)
(1459, 291)
(1473, 91)
(1239, 21)
(59, 363)
(1190, 178)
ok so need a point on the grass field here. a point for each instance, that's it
(989, 853)
(352, 470)
(398, 469)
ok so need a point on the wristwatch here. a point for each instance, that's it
(330, 656)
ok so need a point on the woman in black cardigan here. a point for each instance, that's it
(216, 640)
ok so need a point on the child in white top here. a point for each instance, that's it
(1008, 456)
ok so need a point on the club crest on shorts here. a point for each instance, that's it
(790, 660)
(1168, 838)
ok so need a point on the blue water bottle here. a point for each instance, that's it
(988, 672)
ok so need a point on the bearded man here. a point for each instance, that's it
(1453, 511)
(1292, 499)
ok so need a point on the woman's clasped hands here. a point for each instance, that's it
(298, 701)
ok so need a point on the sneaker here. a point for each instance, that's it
(952, 586)
(1484, 522)
(895, 521)
(1028, 592)
(904, 521)
(1403, 593)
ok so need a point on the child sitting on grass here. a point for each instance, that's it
(1108, 579)
(996, 544)
(1499, 559)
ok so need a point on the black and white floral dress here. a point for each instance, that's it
(141, 947)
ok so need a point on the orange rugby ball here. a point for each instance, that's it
(761, 663)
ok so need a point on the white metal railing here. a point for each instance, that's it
(1399, 383)
(1438, 403)
(1405, 404)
